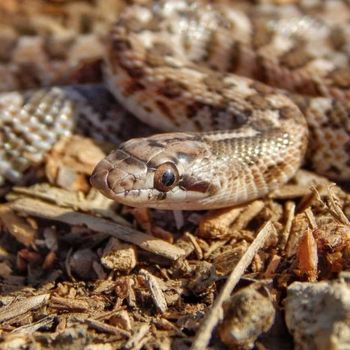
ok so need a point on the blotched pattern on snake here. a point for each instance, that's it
(245, 88)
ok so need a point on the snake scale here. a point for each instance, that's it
(246, 91)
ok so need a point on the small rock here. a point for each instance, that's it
(318, 314)
(119, 256)
(248, 314)
(81, 263)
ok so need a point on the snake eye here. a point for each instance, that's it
(166, 177)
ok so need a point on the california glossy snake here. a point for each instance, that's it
(267, 78)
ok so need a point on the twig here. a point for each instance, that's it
(335, 207)
(290, 211)
(22, 306)
(156, 291)
(138, 337)
(29, 329)
(149, 243)
(216, 313)
(103, 327)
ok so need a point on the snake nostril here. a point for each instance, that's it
(124, 184)
(120, 181)
(107, 178)
(115, 175)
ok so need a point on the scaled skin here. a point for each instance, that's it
(214, 170)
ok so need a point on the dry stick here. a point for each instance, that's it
(107, 328)
(156, 291)
(216, 313)
(147, 242)
(22, 306)
(290, 210)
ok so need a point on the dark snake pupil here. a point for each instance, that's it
(168, 178)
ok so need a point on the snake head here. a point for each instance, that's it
(166, 171)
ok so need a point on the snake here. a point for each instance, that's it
(243, 92)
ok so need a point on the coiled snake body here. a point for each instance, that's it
(242, 87)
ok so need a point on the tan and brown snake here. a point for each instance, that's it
(245, 89)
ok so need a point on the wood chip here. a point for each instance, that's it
(119, 256)
(217, 223)
(156, 291)
(272, 266)
(20, 307)
(197, 248)
(290, 212)
(307, 256)
(68, 167)
(248, 214)
(17, 226)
